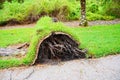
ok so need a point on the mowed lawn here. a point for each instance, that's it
(98, 40)
(14, 36)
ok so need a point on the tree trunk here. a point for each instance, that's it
(83, 21)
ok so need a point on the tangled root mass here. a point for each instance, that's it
(59, 46)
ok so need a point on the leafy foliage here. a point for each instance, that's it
(31, 10)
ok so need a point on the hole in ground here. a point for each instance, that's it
(59, 47)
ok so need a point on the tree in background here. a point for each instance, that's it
(83, 20)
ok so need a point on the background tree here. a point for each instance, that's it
(83, 20)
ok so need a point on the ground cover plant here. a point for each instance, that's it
(27, 11)
(99, 40)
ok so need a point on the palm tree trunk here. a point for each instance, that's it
(83, 21)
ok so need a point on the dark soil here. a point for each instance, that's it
(59, 46)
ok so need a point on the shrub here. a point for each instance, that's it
(113, 10)
(95, 16)
(31, 10)
(93, 8)
(74, 11)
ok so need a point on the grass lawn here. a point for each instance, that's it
(99, 40)
(14, 36)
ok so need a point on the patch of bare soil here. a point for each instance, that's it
(18, 26)
(16, 50)
(19, 46)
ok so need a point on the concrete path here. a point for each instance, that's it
(106, 68)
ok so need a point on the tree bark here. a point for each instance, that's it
(83, 20)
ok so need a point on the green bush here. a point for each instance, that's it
(93, 8)
(113, 10)
(96, 16)
(110, 8)
(31, 10)
(34, 9)
(74, 11)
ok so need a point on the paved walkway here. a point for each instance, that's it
(106, 68)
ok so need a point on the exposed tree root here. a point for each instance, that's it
(59, 46)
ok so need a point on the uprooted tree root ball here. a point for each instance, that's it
(59, 46)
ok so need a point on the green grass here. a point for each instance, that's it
(13, 36)
(99, 40)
